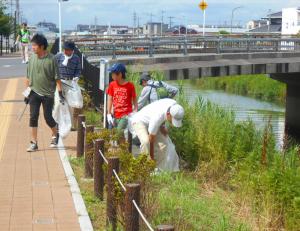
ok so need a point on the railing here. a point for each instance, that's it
(185, 46)
(5, 46)
(94, 168)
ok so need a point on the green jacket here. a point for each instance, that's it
(24, 36)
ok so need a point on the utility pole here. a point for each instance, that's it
(18, 11)
(162, 22)
(134, 22)
(171, 21)
(138, 25)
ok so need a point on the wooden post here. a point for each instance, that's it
(98, 169)
(152, 150)
(131, 214)
(111, 206)
(165, 228)
(76, 113)
(80, 136)
(88, 154)
(129, 141)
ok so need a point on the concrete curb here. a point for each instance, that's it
(83, 216)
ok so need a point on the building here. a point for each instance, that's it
(154, 28)
(48, 26)
(82, 28)
(290, 21)
(183, 30)
(253, 24)
(273, 26)
(117, 30)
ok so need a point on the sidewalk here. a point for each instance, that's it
(34, 191)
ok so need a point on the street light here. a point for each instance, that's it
(232, 13)
(59, 22)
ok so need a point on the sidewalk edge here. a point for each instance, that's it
(83, 216)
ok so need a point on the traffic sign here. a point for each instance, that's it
(203, 5)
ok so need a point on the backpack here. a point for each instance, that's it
(162, 92)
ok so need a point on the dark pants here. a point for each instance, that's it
(35, 104)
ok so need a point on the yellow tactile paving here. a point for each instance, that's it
(6, 109)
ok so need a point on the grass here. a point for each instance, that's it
(257, 86)
(183, 202)
(235, 178)
(96, 208)
(176, 199)
(93, 117)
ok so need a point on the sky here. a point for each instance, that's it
(120, 12)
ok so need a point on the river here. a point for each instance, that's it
(244, 107)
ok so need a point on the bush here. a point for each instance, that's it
(257, 86)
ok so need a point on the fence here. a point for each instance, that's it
(4, 45)
(94, 168)
(185, 45)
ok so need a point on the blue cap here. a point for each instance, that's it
(117, 68)
(69, 45)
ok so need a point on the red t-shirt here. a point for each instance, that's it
(122, 96)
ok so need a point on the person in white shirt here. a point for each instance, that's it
(149, 125)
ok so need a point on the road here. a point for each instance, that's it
(11, 67)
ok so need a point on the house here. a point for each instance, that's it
(154, 28)
(48, 26)
(253, 24)
(273, 25)
(183, 30)
(290, 21)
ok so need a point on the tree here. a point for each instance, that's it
(6, 25)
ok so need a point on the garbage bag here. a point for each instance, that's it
(73, 95)
(62, 116)
(170, 162)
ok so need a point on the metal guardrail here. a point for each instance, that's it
(187, 45)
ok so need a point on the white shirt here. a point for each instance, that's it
(154, 114)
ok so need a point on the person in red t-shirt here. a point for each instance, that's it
(121, 98)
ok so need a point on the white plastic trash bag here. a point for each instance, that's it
(170, 162)
(73, 95)
(62, 116)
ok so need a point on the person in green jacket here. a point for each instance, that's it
(24, 38)
(42, 80)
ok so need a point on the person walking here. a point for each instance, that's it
(122, 100)
(154, 90)
(69, 69)
(42, 80)
(149, 125)
(24, 38)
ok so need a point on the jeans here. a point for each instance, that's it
(35, 102)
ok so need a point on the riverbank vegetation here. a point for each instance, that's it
(258, 86)
(232, 176)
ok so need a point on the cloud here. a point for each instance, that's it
(121, 11)
(74, 9)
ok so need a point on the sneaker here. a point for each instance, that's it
(23, 62)
(54, 141)
(32, 147)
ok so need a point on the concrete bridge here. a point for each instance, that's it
(282, 66)
(194, 58)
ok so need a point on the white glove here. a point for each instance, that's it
(110, 119)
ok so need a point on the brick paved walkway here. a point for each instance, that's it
(34, 192)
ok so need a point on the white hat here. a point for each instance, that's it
(177, 113)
